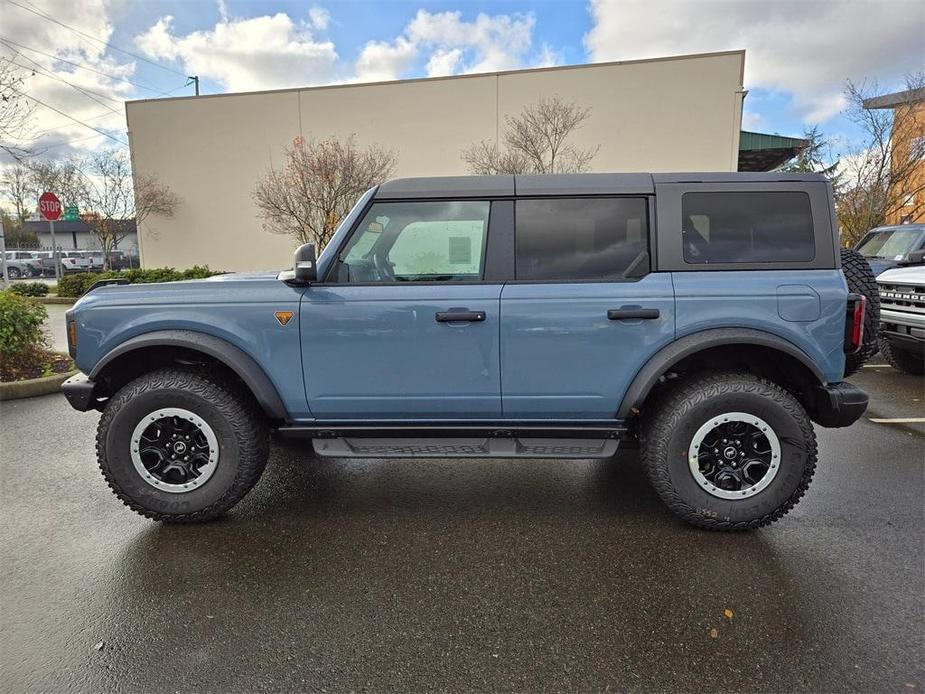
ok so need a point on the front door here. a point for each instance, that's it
(584, 313)
(404, 327)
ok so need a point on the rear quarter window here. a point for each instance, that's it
(747, 227)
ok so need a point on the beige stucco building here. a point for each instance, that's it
(671, 114)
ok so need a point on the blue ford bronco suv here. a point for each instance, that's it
(709, 317)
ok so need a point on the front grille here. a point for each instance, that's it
(902, 297)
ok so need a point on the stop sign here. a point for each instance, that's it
(49, 206)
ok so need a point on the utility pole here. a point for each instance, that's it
(195, 80)
(5, 280)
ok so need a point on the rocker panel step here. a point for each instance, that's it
(465, 447)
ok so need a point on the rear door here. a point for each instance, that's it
(584, 312)
(407, 326)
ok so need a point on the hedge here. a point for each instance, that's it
(29, 288)
(20, 325)
(75, 285)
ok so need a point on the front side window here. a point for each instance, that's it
(745, 227)
(417, 242)
(582, 239)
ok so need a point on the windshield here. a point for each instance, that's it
(889, 243)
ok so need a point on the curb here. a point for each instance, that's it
(32, 387)
(55, 300)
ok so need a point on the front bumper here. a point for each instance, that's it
(80, 393)
(838, 404)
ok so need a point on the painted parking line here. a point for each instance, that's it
(877, 366)
(899, 420)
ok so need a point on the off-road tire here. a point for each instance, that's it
(669, 427)
(861, 280)
(901, 359)
(229, 409)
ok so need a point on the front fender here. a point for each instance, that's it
(247, 369)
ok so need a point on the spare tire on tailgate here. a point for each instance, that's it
(861, 280)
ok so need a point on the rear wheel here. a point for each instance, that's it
(181, 446)
(861, 280)
(729, 451)
(13, 272)
(909, 362)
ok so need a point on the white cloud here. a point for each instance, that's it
(751, 120)
(444, 62)
(319, 17)
(246, 54)
(452, 45)
(380, 61)
(806, 48)
(100, 105)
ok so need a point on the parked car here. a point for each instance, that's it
(94, 260)
(122, 260)
(22, 264)
(890, 246)
(74, 261)
(902, 318)
(709, 316)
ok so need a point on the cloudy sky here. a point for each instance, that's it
(85, 58)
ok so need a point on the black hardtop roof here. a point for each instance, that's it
(569, 184)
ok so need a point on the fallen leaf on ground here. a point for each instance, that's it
(727, 613)
(714, 633)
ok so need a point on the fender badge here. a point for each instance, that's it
(283, 317)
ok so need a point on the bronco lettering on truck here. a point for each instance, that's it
(709, 316)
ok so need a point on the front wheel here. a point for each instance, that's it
(729, 451)
(181, 446)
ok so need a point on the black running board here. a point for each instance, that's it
(465, 447)
(442, 440)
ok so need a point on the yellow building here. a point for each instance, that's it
(908, 143)
(671, 114)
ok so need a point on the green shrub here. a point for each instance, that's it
(29, 288)
(75, 285)
(20, 325)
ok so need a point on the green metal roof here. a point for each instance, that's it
(763, 152)
(749, 141)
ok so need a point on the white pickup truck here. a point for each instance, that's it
(902, 317)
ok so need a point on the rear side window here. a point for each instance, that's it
(581, 238)
(743, 227)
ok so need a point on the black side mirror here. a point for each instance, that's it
(914, 258)
(304, 269)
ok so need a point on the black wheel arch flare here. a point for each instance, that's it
(236, 359)
(647, 377)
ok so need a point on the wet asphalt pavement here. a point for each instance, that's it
(461, 575)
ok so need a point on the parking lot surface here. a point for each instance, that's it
(462, 575)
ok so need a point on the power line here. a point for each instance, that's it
(82, 67)
(68, 142)
(93, 38)
(42, 72)
(61, 125)
(76, 120)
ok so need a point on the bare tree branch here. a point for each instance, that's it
(317, 186)
(884, 182)
(112, 201)
(15, 111)
(535, 142)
